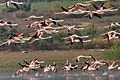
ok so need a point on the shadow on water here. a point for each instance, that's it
(65, 76)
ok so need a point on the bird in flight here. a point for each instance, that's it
(16, 4)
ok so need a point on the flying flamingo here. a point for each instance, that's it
(38, 35)
(8, 2)
(75, 38)
(73, 27)
(112, 25)
(81, 56)
(6, 23)
(13, 39)
(111, 66)
(24, 69)
(111, 34)
(33, 17)
(71, 9)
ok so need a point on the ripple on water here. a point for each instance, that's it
(62, 76)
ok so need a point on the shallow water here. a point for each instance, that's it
(64, 76)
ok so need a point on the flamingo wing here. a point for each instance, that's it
(15, 5)
(64, 9)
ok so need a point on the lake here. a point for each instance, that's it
(97, 75)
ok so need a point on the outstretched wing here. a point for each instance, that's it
(64, 9)
(22, 65)
(16, 5)
(3, 43)
(93, 57)
(95, 14)
(95, 6)
(26, 62)
(80, 39)
(103, 6)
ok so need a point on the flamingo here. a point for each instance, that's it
(81, 56)
(84, 68)
(75, 38)
(111, 34)
(8, 2)
(6, 23)
(24, 69)
(66, 11)
(33, 17)
(82, 4)
(100, 10)
(38, 35)
(14, 40)
(46, 70)
(111, 66)
(73, 27)
(112, 25)
(93, 67)
(53, 67)
(71, 9)
(69, 67)
(34, 24)
(50, 30)
(53, 20)
(18, 36)
(34, 65)
(50, 21)
(90, 67)
(98, 62)
(103, 8)
(94, 1)
(73, 66)
(91, 13)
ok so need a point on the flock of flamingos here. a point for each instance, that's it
(50, 26)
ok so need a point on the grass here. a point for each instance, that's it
(113, 53)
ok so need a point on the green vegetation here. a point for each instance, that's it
(113, 53)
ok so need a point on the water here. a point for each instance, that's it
(64, 76)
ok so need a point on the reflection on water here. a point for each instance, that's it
(67, 76)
